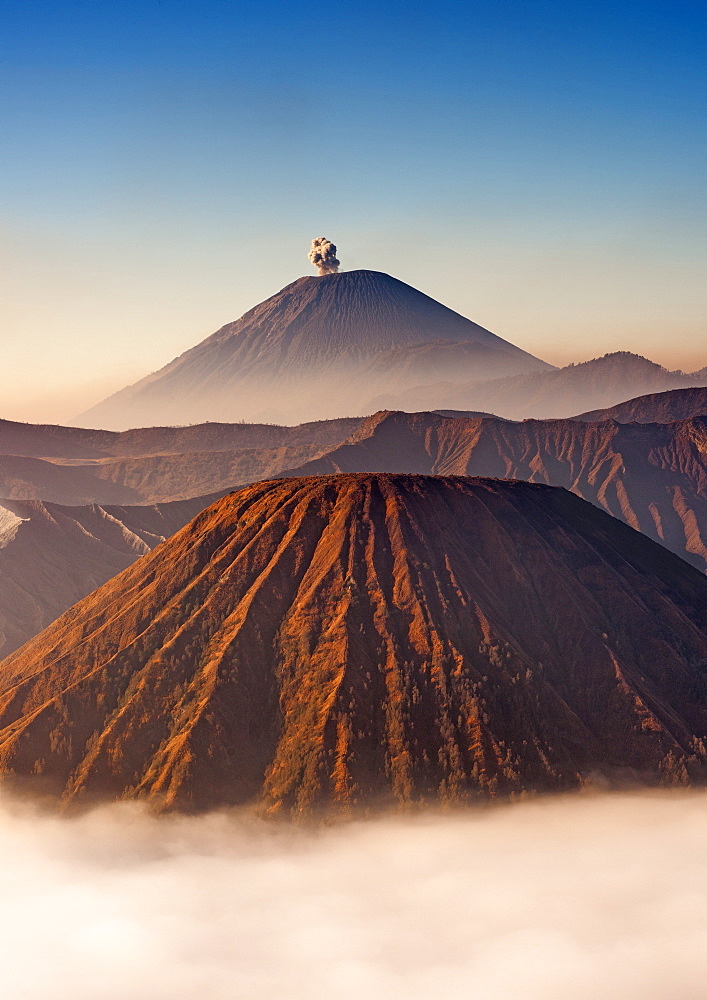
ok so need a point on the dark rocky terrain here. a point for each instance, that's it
(655, 408)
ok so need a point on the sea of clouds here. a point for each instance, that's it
(582, 897)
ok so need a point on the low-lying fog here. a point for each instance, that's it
(585, 897)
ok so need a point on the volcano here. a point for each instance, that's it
(318, 348)
(347, 640)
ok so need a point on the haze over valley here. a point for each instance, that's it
(534, 901)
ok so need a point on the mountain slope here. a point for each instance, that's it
(354, 639)
(52, 556)
(653, 476)
(655, 408)
(601, 382)
(315, 349)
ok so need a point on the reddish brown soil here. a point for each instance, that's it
(370, 638)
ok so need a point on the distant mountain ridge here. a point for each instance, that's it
(315, 349)
(655, 408)
(151, 464)
(545, 395)
(55, 441)
(351, 641)
(653, 478)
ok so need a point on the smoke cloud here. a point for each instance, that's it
(579, 897)
(323, 256)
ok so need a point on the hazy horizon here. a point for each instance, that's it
(38, 397)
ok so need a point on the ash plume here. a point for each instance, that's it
(323, 256)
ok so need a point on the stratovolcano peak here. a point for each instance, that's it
(319, 346)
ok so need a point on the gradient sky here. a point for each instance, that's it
(538, 165)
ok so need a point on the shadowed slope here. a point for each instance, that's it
(653, 476)
(51, 556)
(73, 444)
(353, 638)
(70, 465)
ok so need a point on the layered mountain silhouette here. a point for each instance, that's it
(318, 348)
(55, 442)
(599, 383)
(349, 640)
(75, 466)
(653, 476)
(51, 555)
(655, 408)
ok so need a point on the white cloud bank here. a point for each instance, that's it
(586, 897)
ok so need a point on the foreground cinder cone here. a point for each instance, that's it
(358, 639)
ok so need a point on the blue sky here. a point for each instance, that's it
(537, 165)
